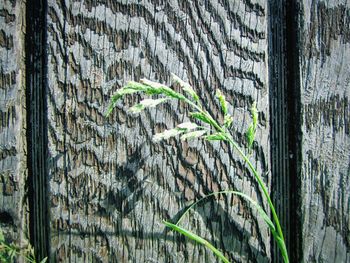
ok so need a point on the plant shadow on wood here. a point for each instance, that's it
(124, 199)
(239, 236)
(121, 202)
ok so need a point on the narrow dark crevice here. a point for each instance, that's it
(37, 144)
(285, 121)
(294, 126)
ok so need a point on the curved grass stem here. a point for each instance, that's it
(198, 239)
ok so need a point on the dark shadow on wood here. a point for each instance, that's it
(285, 121)
(36, 133)
(133, 187)
(294, 128)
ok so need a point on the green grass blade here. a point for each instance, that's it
(218, 136)
(283, 248)
(198, 239)
(250, 135)
(201, 117)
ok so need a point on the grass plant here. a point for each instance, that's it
(206, 127)
(9, 252)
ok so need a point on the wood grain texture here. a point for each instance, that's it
(13, 165)
(111, 185)
(325, 78)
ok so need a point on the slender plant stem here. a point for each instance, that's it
(261, 183)
(217, 252)
(252, 168)
(198, 239)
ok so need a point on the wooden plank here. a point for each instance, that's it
(111, 185)
(325, 92)
(13, 158)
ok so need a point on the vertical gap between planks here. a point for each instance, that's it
(285, 121)
(36, 105)
(294, 127)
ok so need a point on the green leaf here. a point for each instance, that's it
(185, 86)
(198, 239)
(250, 135)
(194, 134)
(202, 117)
(216, 137)
(186, 233)
(146, 103)
(222, 101)
(43, 260)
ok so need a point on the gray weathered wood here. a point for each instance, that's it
(13, 166)
(325, 92)
(111, 185)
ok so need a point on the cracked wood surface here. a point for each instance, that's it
(325, 93)
(13, 167)
(111, 185)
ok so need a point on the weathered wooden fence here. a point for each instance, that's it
(86, 188)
